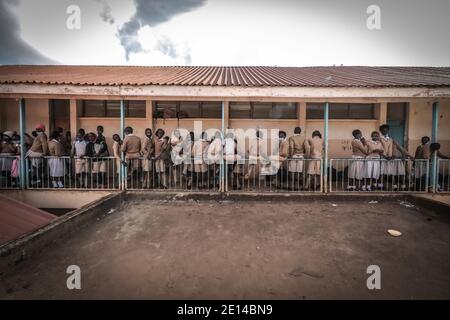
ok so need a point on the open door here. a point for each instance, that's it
(59, 114)
(396, 120)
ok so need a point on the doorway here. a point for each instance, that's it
(396, 120)
(59, 110)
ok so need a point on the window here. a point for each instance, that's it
(341, 111)
(240, 110)
(263, 110)
(187, 109)
(111, 108)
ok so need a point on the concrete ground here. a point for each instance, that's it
(154, 249)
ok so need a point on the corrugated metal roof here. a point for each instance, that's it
(18, 219)
(343, 76)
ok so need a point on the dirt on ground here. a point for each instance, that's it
(312, 249)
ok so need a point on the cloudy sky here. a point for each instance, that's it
(225, 32)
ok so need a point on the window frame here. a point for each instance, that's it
(178, 109)
(348, 111)
(272, 108)
(105, 109)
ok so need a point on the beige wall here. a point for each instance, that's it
(418, 124)
(420, 121)
(36, 111)
(340, 133)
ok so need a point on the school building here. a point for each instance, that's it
(413, 101)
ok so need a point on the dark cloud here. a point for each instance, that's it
(106, 14)
(13, 49)
(151, 13)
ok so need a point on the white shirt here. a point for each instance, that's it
(229, 146)
(80, 148)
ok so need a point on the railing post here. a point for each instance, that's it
(434, 138)
(222, 167)
(122, 175)
(22, 128)
(325, 135)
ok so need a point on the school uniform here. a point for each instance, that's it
(297, 150)
(97, 151)
(356, 168)
(79, 151)
(148, 150)
(117, 155)
(214, 151)
(177, 150)
(422, 153)
(372, 168)
(315, 152)
(131, 146)
(55, 163)
(8, 150)
(160, 148)
(38, 149)
(199, 149)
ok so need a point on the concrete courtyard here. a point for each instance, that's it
(308, 249)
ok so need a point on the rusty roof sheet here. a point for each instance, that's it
(342, 76)
(18, 219)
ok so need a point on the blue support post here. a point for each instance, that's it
(434, 138)
(123, 176)
(325, 136)
(222, 165)
(22, 128)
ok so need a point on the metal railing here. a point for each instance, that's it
(157, 174)
(248, 175)
(9, 172)
(97, 173)
(274, 175)
(443, 176)
(378, 175)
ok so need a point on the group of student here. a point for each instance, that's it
(158, 160)
(383, 162)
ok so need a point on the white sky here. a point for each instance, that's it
(232, 32)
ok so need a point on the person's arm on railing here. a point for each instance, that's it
(403, 151)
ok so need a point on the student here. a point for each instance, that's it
(356, 168)
(148, 152)
(372, 169)
(200, 167)
(435, 149)
(188, 165)
(79, 152)
(315, 154)
(160, 164)
(131, 147)
(100, 131)
(97, 150)
(7, 152)
(230, 157)
(176, 143)
(117, 143)
(283, 151)
(257, 155)
(422, 157)
(38, 149)
(393, 169)
(213, 158)
(55, 163)
(297, 149)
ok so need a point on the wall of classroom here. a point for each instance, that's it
(418, 124)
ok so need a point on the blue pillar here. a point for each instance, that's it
(434, 138)
(222, 165)
(325, 136)
(22, 128)
(123, 176)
